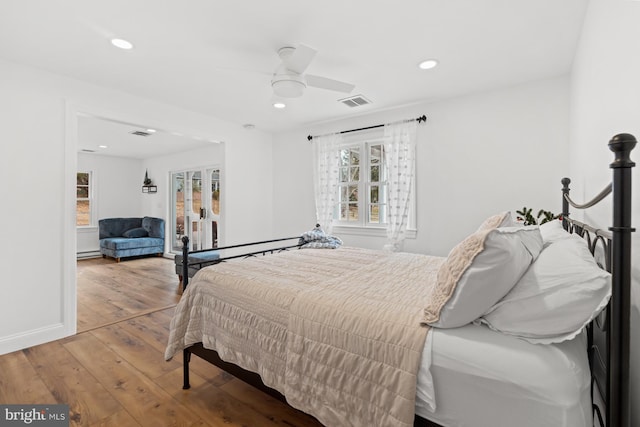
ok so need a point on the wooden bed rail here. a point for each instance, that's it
(618, 316)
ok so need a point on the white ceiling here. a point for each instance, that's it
(110, 138)
(216, 56)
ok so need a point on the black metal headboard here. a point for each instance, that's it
(608, 334)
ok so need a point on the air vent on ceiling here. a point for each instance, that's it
(86, 150)
(355, 101)
(140, 133)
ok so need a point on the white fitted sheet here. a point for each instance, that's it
(482, 378)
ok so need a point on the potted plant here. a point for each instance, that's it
(542, 217)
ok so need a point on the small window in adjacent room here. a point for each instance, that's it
(84, 199)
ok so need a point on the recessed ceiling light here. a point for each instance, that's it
(102, 146)
(279, 105)
(122, 44)
(428, 64)
(249, 126)
(151, 130)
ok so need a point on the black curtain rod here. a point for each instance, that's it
(422, 118)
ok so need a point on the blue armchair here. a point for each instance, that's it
(127, 237)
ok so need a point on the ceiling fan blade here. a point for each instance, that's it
(330, 84)
(300, 58)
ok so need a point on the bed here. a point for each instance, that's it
(359, 337)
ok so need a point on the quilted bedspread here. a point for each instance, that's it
(336, 331)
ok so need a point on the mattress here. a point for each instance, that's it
(470, 368)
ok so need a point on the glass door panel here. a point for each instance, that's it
(195, 208)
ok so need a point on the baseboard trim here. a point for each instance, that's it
(33, 337)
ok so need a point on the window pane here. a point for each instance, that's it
(355, 174)
(355, 156)
(344, 193)
(344, 157)
(344, 174)
(376, 152)
(177, 188)
(82, 192)
(196, 187)
(82, 212)
(353, 193)
(82, 178)
(215, 191)
(374, 213)
(344, 209)
(374, 194)
(375, 174)
(353, 211)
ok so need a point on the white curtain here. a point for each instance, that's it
(326, 156)
(400, 158)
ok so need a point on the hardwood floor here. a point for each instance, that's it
(113, 372)
(109, 292)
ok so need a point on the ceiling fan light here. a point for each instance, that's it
(288, 88)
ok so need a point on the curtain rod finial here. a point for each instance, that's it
(309, 137)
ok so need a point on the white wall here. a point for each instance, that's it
(38, 152)
(477, 155)
(118, 183)
(605, 101)
(246, 205)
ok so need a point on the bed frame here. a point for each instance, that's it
(608, 334)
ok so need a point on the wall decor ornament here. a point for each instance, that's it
(147, 184)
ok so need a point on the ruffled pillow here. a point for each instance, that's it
(503, 219)
(478, 272)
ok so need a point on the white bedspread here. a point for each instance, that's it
(336, 331)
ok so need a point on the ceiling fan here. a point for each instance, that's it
(288, 80)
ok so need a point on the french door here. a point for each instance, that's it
(195, 208)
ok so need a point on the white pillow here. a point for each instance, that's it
(557, 297)
(503, 219)
(478, 272)
(552, 231)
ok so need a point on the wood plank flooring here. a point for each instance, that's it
(113, 373)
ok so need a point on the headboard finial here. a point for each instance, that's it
(565, 203)
(621, 145)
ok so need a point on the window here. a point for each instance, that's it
(362, 185)
(84, 199)
(365, 184)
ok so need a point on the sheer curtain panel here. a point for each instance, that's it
(326, 154)
(400, 155)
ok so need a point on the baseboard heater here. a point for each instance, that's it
(87, 254)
